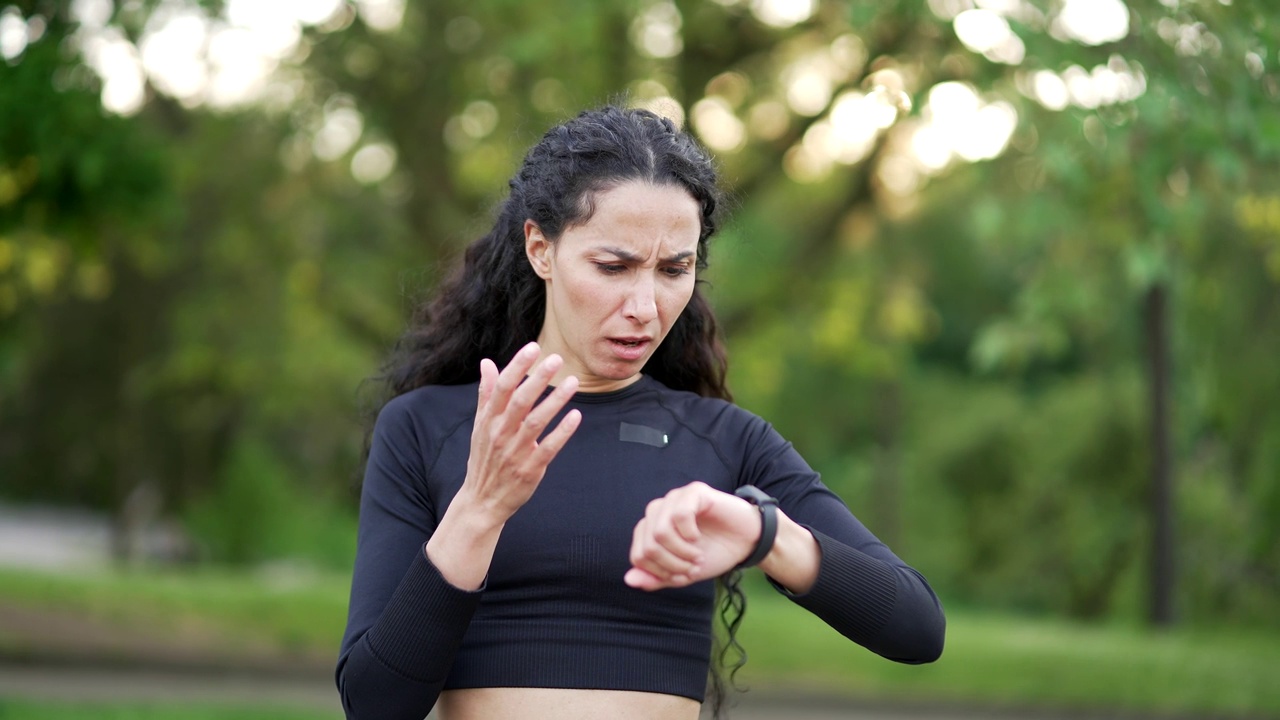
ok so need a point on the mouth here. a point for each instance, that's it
(630, 348)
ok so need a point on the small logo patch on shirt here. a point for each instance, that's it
(642, 434)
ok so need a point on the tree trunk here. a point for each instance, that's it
(885, 484)
(1155, 322)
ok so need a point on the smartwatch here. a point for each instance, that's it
(768, 523)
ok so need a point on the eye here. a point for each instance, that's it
(611, 269)
(675, 271)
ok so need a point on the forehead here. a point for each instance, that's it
(638, 215)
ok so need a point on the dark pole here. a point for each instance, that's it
(886, 485)
(1155, 321)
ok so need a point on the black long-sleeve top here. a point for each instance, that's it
(554, 611)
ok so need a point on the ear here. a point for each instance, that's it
(538, 249)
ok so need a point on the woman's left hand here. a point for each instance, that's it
(690, 534)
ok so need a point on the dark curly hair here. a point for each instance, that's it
(493, 304)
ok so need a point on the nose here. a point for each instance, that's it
(642, 305)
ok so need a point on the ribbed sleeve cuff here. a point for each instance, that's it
(854, 592)
(422, 626)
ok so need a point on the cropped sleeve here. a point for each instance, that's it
(863, 590)
(405, 621)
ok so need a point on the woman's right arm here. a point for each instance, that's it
(417, 582)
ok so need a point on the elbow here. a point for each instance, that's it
(927, 639)
(371, 691)
(917, 648)
(344, 694)
(916, 633)
(930, 644)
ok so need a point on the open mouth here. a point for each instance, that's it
(630, 348)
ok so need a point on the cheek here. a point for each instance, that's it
(672, 302)
(590, 297)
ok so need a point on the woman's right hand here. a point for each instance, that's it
(507, 460)
(506, 464)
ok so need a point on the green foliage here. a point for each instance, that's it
(995, 467)
(255, 513)
(191, 298)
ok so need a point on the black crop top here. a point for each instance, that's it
(554, 611)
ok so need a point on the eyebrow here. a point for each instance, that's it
(627, 256)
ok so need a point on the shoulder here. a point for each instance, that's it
(436, 397)
(717, 420)
(429, 410)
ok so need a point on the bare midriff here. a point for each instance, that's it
(503, 703)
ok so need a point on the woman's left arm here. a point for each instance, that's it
(862, 589)
(824, 559)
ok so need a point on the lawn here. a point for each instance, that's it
(295, 611)
(25, 710)
(989, 660)
(999, 660)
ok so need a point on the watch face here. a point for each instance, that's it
(755, 495)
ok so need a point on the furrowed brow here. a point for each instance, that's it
(628, 256)
(621, 254)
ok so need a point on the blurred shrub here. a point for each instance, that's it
(257, 512)
(1028, 500)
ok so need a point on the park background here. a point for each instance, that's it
(1007, 272)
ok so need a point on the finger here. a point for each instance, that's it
(662, 518)
(543, 413)
(663, 556)
(523, 399)
(551, 444)
(510, 377)
(649, 553)
(642, 580)
(676, 516)
(686, 524)
(488, 378)
(673, 538)
(656, 581)
(641, 548)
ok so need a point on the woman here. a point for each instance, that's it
(537, 541)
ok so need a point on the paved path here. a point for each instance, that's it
(97, 685)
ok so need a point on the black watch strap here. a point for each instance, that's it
(768, 523)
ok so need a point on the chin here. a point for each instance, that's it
(613, 369)
(613, 372)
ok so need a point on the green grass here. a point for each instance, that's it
(297, 613)
(24, 710)
(1004, 660)
(989, 660)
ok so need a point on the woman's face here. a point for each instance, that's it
(617, 283)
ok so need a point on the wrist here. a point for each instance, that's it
(476, 513)
(796, 557)
(462, 546)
